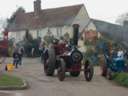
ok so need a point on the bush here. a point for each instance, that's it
(121, 79)
(28, 48)
(30, 43)
(35, 44)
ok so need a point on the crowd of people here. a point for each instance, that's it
(19, 50)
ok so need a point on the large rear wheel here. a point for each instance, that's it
(49, 70)
(61, 70)
(49, 65)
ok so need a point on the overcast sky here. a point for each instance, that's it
(107, 10)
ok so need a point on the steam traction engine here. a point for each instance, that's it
(59, 56)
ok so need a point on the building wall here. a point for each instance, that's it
(43, 31)
(56, 31)
(18, 36)
(91, 26)
(82, 18)
(67, 29)
(33, 33)
(84, 21)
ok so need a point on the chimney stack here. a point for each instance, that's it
(37, 7)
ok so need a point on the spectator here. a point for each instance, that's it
(41, 50)
(126, 54)
(32, 52)
(48, 38)
(21, 52)
(16, 57)
(120, 53)
(41, 47)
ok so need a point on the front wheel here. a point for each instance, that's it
(88, 71)
(61, 70)
(49, 70)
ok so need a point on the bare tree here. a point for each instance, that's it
(124, 17)
(12, 18)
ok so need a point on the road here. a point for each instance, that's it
(41, 85)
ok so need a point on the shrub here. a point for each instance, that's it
(121, 79)
(30, 43)
(33, 44)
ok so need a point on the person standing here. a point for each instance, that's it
(21, 52)
(41, 47)
(16, 57)
(48, 38)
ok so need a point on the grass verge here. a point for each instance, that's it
(8, 80)
(121, 79)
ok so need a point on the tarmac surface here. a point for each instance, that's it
(41, 85)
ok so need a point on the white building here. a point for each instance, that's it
(57, 20)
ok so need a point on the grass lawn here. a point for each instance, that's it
(8, 80)
(121, 79)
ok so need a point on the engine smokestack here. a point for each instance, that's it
(75, 34)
